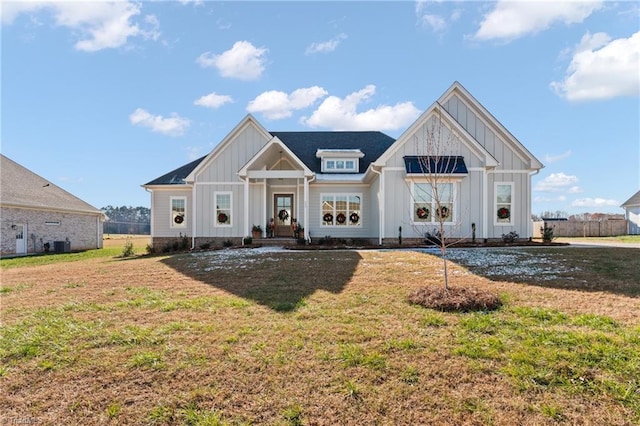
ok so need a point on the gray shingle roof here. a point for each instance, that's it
(20, 187)
(633, 201)
(176, 177)
(304, 145)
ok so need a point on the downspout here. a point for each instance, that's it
(485, 201)
(380, 203)
(530, 222)
(246, 206)
(307, 234)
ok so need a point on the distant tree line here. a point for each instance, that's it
(580, 217)
(127, 220)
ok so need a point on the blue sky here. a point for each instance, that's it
(101, 98)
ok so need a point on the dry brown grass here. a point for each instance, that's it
(321, 337)
(455, 299)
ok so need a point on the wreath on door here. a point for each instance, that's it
(283, 215)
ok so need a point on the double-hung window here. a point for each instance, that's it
(178, 212)
(223, 210)
(433, 202)
(503, 203)
(341, 210)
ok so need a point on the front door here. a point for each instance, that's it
(283, 208)
(21, 241)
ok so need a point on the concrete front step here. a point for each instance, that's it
(275, 242)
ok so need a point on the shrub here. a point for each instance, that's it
(127, 250)
(227, 243)
(247, 240)
(205, 246)
(547, 234)
(150, 249)
(455, 299)
(511, 237)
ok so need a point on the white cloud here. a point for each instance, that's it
(340, 114)
(436, 22)
(170, 126)
(100, 25)
(243, 61)
(602, 68)
(276, 105)
(558, 182)
(511, 19)
(213, 100)
(555, 158)
(594, 202)
(325, 46)
(559, 198)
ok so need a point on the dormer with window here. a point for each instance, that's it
(340, 160)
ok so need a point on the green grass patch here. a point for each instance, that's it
(50, 258)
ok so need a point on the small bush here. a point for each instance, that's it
(227, 243)
(247, 240)
(455, 299)
(205, 246)
(511, 237)
(127, 251)
(150, 249)
(547, 234)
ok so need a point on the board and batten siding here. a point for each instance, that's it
(226, 163)
(482, 133)
(161, 208)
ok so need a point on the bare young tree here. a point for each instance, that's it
(431, 172)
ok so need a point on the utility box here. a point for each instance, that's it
(62, 246)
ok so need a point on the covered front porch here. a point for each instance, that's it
(276, 193)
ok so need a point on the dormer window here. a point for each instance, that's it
(340, 160)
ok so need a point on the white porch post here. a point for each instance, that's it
(246, 208)
(485, 204)
(382, 205)
(305, 195)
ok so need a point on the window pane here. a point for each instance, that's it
(178, 205)
(341, 210)
(422, 193)
(331, 164)
(339, 164)
(328, 214)
(445, 192)
(503, 194)
(349, 165)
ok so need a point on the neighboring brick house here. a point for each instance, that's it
(36, 215)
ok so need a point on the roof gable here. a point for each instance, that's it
(20, 187)
(275, 144)
(633, 201)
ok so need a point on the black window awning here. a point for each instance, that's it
(443, 165)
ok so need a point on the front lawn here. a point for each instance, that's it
(322, 337)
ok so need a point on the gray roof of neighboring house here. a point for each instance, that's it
(304, 145)
(20, 187)
(633, 201)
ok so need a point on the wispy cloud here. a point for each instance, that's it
(243, 61)
(170, 126)
(555, 158)
(558, 182)
(341, 113)
(277, 105)
(510, 20)
(594, 202)
(602, 68)
(437, 21)
(325, 46)
(213, 100)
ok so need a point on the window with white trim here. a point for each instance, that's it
(339, 165)
(341, 209)
(504, 203)
(178, 212)
(425, 199)
(223, 211)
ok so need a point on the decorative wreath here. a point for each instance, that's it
(354, 217)
(504, 213)
(328, 217)
(422, 212)
(341, 218)
(178, 219)
(443, 212)
(283, 215)
(223, 218)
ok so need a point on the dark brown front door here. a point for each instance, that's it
(283, 208)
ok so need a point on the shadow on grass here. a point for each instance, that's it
(280, 280)
(592, 269)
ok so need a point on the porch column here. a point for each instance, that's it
(305, 195)
(246, 208)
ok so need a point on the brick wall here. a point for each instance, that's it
(84, 231)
